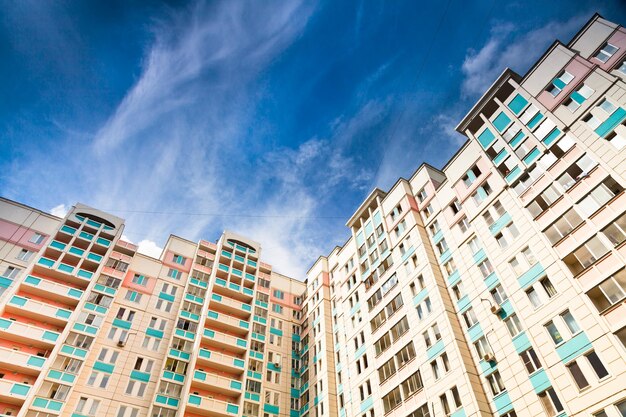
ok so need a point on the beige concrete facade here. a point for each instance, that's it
(494, 286)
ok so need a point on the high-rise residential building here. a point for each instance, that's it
(495, 286)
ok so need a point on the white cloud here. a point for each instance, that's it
(507, 48)
(60, 210)
(150, 248)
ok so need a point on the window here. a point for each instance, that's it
(474, 245)
(11, 272)
(450, 267)
(609, 292)
(550, 402)
(498, 294)
(533, 297)
(471, 175)
(585, 256)
(508, 233)
(531, 361)
(87, 406)
(179, 259)
(482, 347)
(458, 291)
(174, 273)
(140, 280)
(470, 317)
(456, 397)
(575, 172)
(513, 325)
(442, 246)
(544, 200)
(606, 52)
(599, 196)
(434, 228)
(607, 106)
(24, 255)
(592, 121)
(563, 226)
(427, 211)
(616, 231)
(36, 238)
(421, 195)
(455, 206)
(463, 224)
(570, 322)
(387, 370)
(434, 367)
(559, 83)
(98, 379)
(399, 328)
(392, 400)
(485, 268)
(578, 97)
(481, 193)
(495, 383)
(412, 384)
(405, 355)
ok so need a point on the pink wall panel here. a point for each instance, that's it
(579, 68)
(617, 39)
(19, 235)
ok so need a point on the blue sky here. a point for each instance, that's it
(272, 119)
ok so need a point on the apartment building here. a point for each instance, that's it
(494, 286)
(90, 327)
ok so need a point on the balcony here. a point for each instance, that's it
(216, 383)
(210, 407)
(233, 290)
(38, 310)
(224, 341)
(220, 361)
(228, 323)
(27, 333)
(62, 271)
(230, 306)
(21, 362)
(51, 289)
(13, 392)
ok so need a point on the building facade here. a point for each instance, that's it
(494, 286)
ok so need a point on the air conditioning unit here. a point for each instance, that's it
(121, 343)
(489, 358)
(496, 309)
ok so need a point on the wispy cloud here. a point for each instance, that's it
(507, 47)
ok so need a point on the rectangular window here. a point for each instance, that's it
(609, 292)
(495, 383)
(563, 226)
(513, 325)
(392, 400)
(606, 52)
(531, 361)
(36, 238)
(599, 196)
(586, 255)
(550, 402)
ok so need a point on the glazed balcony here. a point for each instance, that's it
(216, 383)
(221, 340)
(230, 306)
(210, 407)
(220, 361)
(227, 323)
(21, 362)
(50, 289)
(38, 310)
(27, 333)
